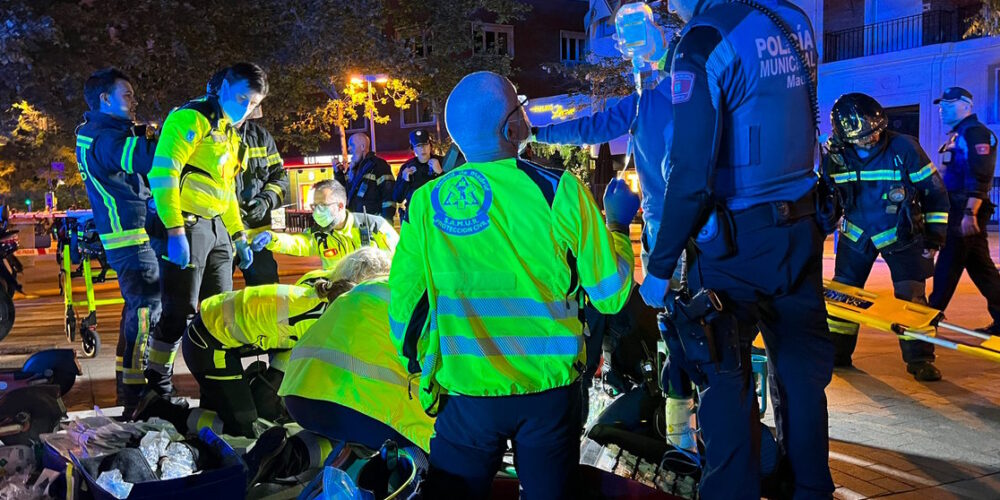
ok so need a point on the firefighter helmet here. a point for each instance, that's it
(857, 118)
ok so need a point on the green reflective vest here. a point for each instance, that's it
(268, 316)
(347, 358)
(332, 246)
(485, 279)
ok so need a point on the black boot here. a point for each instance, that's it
(924, 371)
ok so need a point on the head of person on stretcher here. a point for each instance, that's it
(361, 265)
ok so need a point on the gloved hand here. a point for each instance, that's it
(244, 252)
(261, 241)
(620, 204)
(257, 210)
(654, 291)
(178, 248)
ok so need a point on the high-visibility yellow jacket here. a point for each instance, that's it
(334, 245)
(195, 165)
(267, 316)
(347, 358)
(486, 276)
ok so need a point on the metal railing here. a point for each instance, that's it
(928, 28)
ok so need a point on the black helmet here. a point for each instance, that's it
(855, 117)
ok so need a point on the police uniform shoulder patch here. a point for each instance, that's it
(682, 87)
(330, 252)
(461, 202)
(982, 149)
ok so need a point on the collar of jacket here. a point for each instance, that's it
(964, 122)
(104, 120)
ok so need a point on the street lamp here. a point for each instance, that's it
(377, 78)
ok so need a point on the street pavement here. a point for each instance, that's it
(889, 435)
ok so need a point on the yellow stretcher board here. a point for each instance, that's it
(903, 318)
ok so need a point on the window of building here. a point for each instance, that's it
(495, 39)
(419, 42)
(572, 47)
(360, 124)
(904, 119)
(418, 114)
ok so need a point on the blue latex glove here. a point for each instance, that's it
(178, 249)
(654, 291)
(244, 252)
(261, 241)
(620, 204)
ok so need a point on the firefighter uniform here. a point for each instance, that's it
(114, 156)
(484, 306)
(262, 181)
(345, 381)
(969, 158)
(331, 246)
(234, 325)
(896, 206)
(369, 187)
(741, 180)
(193, 181)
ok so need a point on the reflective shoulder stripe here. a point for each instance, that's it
(936, 217)
(925, 172)
(613, 283)
(260, 152)
(281, 298)
(273, 159)
(229, 319)
(384, 178)
(127, 152)
(505, 308)
(350, 364)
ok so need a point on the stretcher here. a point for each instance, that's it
(79, 245)
(905, 319)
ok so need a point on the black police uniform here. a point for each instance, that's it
(970, 155)
(896, 206)
(732, 70)
(404, 189)
(114, 156)
(264, 178)
(369, 187)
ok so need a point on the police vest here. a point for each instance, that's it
(347, 358)
(959, 178)
(766, 96)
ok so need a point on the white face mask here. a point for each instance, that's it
(326, 218)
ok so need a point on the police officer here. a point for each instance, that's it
(895, 205)
(969, 158)
(114, 156)
(193, 183)
(483, 298)
(336, 233)
(741, 178)
(261, 187)
(368, 180)
(417, 171)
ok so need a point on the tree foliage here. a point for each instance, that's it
(170, 48)
(986, 22)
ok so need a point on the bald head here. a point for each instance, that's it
(475, 116)
(358, 146)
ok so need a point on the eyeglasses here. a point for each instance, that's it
(323, 206)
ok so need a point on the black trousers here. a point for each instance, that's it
(182, 289)
(772, 284)
(909, 269)
(139, 282)
(972, 254)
